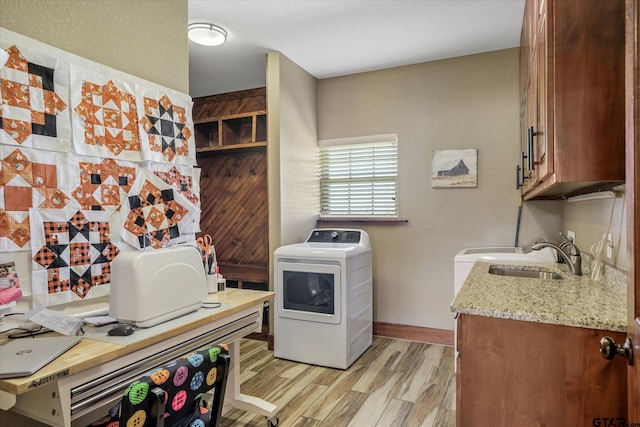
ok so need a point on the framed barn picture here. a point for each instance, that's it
(454, 168)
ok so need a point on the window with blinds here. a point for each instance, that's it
(359, 177)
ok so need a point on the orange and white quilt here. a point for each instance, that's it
(185, 179)
(93, 161)
(166, 127)
(105, 116)
(101, 184)
(156, 215)
(28, 179)
(34, 92)
(72, 254)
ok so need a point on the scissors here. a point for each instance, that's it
(205, 244)
(208, 253)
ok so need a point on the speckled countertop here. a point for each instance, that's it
(572, 301)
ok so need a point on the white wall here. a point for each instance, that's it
(589, 220)
(467, 102)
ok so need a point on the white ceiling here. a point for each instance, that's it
(330, 38)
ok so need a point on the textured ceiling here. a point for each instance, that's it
(330, 38)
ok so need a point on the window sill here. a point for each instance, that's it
(390, 221)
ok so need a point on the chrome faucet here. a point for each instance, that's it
(572, 258)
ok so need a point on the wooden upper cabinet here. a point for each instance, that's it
(231, 120)
(573, 135)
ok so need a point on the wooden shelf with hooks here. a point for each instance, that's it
(231, 142)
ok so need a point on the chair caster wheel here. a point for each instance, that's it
(273, 422)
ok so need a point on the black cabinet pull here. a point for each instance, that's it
(530, 134)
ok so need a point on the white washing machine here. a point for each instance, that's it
(324, 298)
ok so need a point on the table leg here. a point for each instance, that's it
(242, 401)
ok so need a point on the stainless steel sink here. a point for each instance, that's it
(530, 273)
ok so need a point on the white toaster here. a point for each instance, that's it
(151, 287)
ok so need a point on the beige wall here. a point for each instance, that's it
(293, 151)
(273, 156)
(145, 38)
(467, 102)
(299, 179)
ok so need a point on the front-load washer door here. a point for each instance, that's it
(307, 291)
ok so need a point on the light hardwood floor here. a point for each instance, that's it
(395, 383)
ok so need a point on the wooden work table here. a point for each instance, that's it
(66, 389)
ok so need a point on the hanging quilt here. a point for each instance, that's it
(105, 116)
(102, 184)
(79, 145)
(72, 255)
(34, 89)
(156, 215)
(28, 179)
(166, 127)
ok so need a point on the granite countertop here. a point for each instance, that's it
(572, 301)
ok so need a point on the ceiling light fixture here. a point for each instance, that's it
(207, 34)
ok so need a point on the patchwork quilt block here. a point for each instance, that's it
(103, 184)
(34, 89)
(105, 116)
(156, 215)
(186, 180)
(165, 128)
(28, 179)
(72, 254)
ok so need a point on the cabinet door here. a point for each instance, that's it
(517, 373)
(543, 137)
(632, 66)
(530, 113)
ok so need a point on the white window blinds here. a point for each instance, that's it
(359, 177)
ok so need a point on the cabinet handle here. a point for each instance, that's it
(530, 147)
(518, 183)
(609, 349)
(523, 156)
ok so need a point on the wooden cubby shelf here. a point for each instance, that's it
(232, 132)
(234, 120)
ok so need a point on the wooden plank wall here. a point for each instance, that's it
(235, 209)
(227, 104)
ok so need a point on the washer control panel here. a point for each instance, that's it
(334, 236)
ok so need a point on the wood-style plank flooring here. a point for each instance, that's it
(394, 383)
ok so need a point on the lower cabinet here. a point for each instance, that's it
(517, 373)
